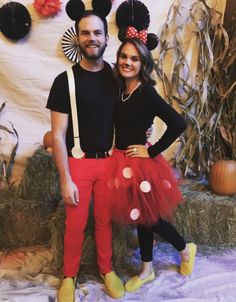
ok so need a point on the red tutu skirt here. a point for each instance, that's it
(141, 190)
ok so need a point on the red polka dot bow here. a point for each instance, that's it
(132, 32)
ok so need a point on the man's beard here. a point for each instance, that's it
(94, 56)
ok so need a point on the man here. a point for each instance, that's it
(96, 97)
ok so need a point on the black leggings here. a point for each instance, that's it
(165, 230)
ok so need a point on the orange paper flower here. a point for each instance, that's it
(47, 8)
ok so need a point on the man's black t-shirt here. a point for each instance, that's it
(96, 97)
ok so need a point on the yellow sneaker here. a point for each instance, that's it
(114, 285)
(66, 291)
(136, 282)
(186, 268)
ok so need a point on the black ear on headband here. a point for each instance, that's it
(102, 7)
(134, 13)
(152, 41)
(76, 8)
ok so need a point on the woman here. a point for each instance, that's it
(142, 186)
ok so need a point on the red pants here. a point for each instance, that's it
(90, 176)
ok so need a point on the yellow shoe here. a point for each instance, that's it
(136, 282)
(186, 268)
(66, 292)
(114, 285)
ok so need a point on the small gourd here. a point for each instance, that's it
(47, 141)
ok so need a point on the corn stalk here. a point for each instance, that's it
(208, 102)
(6, 164)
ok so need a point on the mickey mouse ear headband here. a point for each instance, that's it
(76, 8)
(15, 20)
(133, 19)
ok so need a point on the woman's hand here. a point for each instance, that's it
(137, 151)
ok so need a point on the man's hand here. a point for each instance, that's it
(70, 193)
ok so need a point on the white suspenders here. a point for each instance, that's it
(76, 150)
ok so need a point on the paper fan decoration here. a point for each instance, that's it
(70, 46)
(15, 20)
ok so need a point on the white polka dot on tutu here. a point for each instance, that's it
(134, 214)
(166, 185)
(127, 172)
(145, 186)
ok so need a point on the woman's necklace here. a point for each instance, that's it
(123, 99)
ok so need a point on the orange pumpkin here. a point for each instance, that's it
(222, 177)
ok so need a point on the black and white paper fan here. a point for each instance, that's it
(70, 46)
(15, 20)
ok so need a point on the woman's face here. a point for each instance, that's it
(129, 62)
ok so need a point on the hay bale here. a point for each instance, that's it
(207, 218)
(40, 180)
(23, 222)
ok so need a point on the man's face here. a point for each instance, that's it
(91, 37)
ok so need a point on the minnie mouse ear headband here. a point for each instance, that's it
(15, 20)
(133, 19)
(75, 8)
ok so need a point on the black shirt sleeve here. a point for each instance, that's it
(58, 99)
(173, 120)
